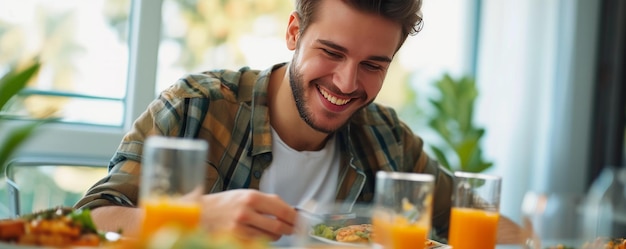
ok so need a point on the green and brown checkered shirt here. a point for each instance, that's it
(229, 110)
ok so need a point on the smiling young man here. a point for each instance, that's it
(299, 131)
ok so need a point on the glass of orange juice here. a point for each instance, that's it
(475, 211)
(402, 210)
(172, 183)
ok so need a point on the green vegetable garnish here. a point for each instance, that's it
(83, 218)
(324, 231)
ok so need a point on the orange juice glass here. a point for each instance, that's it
(172, 183)
(382, 230)
(475, 211)
(399, 234)
(163, 212)
(473, 228)
(402, 210)
(408, 236)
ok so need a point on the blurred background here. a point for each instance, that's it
(529, 90)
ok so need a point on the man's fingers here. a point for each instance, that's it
(266, 223)
(274, 206)
(249, 213)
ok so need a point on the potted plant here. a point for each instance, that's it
(452, 121)
(11, 84)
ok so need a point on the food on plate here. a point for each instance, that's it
(354, 233)
(10, 229)
(360, 233)
(605, 243)
(599, 243)
(57, 227)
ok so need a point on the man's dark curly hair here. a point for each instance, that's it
(407, 13)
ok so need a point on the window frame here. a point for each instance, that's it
(102, 141)
(609, 105)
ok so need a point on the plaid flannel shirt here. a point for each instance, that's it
(229, 110)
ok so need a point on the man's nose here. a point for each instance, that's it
(346, 77)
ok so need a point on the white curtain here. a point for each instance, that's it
(535, 72)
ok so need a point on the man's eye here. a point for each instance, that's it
(331, 53)
(372, 67)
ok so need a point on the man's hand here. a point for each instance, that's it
(248, 213)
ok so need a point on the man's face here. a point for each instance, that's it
(339, 63)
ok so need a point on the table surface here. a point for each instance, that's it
(333, 247)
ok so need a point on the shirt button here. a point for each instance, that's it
(257, 174)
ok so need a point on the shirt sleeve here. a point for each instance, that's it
(116, 189)
(120, 187)
(178, 112)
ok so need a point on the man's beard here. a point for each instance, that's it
(296, 82)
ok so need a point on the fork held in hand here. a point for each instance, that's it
(338, 216)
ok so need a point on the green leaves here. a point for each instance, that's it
(14, 81)
(83, 218)
(13, 140)
(453, 123)
(10, 85)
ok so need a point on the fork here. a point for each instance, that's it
(326, 217)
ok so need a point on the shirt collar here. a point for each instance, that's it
(260, 121)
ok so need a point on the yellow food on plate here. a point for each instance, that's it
(360, 233)
(598, 243)
(354, 233)
(59, 227)
(605, 243)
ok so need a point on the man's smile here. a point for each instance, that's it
(333, 99)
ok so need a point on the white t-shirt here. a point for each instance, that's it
(300, 176)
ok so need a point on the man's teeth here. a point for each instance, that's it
(333, 99)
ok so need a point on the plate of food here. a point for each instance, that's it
(354, 235)
(598, 243)
(57, 227)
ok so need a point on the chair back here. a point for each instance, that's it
(37, 183)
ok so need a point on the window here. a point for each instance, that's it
(203, 35)
(84, 53)
(106, 60)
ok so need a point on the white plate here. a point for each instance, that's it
(334, 242)
(436, 245)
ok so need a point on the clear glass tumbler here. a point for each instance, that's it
(402, 210)
(475, 211)
(172, 182)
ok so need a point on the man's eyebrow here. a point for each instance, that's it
(339, 48)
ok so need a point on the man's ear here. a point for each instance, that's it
(293, 31)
